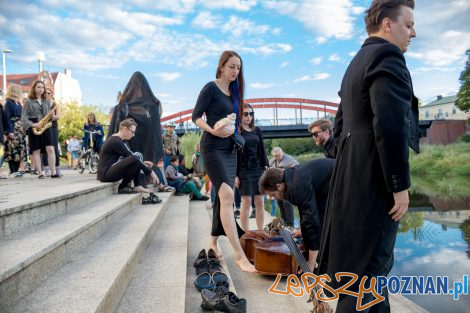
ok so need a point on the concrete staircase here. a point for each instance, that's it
(74, 245)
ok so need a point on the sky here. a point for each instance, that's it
(289, 48)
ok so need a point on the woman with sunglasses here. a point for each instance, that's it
(251, 162)
(55, 129)
(218, 99)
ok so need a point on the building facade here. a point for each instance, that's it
(65, 87)
(443, 108)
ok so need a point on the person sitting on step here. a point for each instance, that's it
(118, 162)
(183, 184)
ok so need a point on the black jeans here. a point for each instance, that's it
(127, 169)
(287, 212)
(380, 264)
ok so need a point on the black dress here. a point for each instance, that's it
(219, 157)
(251, 162)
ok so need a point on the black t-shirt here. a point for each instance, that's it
(250, 150)
(114, 148)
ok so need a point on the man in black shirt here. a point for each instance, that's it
(306, 186)
(321, 131)
(118, 162)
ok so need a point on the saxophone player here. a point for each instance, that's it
(37, 113)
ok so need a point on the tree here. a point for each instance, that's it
(463, 97)
(73, 117)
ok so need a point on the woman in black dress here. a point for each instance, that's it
(218, 99)
(252, 161)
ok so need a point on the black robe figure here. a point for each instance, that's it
(139, 103)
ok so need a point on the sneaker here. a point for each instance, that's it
(236, 213)
(47, 172)
(203, 198)
(16, 174)
(253, 213)
(126, 190)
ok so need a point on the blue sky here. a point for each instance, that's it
(289, 48)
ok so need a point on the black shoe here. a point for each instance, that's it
(253, 213)
(210, 298)
(56, 176)
(236, 213)
(126, 190)
(231, 303)
(179, 194)
(203, 198)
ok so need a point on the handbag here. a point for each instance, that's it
(238, 140)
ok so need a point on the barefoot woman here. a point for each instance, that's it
(218, 99)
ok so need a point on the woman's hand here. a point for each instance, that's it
(154, 178)
(221, 132)
(35, 125)
(148, 163)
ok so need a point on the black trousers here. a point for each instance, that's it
(380, 264)
(127, 169)
(287, 212)
(55, 136)
(14, 166)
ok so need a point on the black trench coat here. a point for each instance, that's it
(376, 122)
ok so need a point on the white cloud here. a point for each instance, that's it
(358, 10)
(261, 85)
(334, 58)
(276, 31)
(317, 76)
(316, 60)
(320, 40)
(168, 76)
(283, 64)
(241, 5)
(326, 18)
(243, 27)
(268, 49)
(206, 20)
(352, 53)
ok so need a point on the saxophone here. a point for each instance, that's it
(44, 123)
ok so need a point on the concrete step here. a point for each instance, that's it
(95, 279)
(29, 257)
(198, 239)
(159, 281)
(30, 201)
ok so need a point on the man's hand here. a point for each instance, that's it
(148, 163)
(401, 205)
(296, 233)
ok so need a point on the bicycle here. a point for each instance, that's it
(89, 157)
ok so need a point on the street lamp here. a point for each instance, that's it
(41, 59)
(5, 51)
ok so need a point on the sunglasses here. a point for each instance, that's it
(315, 134)
(248, 114)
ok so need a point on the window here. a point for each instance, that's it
(454, 110)
(426, 115)
(24, 82)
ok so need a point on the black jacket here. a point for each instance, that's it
(306, 186)
(377, 121)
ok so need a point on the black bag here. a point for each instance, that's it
(238, 140)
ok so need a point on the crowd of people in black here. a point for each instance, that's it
(349, 203)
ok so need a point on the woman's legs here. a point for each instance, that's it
(230, 228)
(36, 159)
(245, 212)
(259, 204)
(51, 158)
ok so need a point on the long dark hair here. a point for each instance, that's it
(248, 106)
(32, 92)
(226, 55)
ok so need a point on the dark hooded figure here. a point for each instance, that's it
(139, 103)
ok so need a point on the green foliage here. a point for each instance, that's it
(296, 146)
(188, 142)
(464, 138)
(73, 117)
(309, 156)
(463, 96)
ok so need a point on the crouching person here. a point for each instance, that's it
(305, 186)
(183, 184)
(118, 162)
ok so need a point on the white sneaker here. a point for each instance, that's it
(16, 174)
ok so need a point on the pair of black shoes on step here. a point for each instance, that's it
(151, 199)
(222, 299)
(207, 263)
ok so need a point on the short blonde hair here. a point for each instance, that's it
(127, 123)
(276, 150)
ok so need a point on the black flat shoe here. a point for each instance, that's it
(126, 190)
(41, 176)
(56, 176)
(231, 304)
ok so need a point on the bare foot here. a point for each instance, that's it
(218, 253)
(245, 265)
(141, 189)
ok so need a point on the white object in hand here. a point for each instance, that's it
(227, 123)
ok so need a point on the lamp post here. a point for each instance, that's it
(41, 59)
(5, 51)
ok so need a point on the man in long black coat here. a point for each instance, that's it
(377, 121)
(306, 186)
